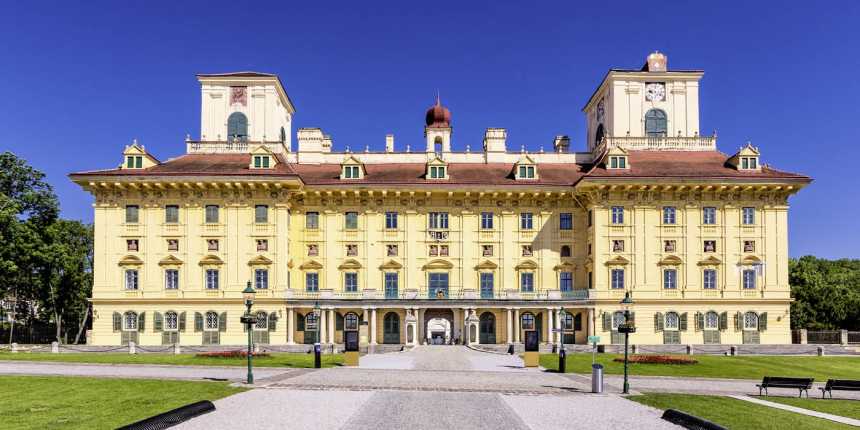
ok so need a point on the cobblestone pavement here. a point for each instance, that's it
(137, 371)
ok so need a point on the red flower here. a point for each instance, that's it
(657, 359)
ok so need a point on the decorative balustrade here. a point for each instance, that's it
(171, 228)
(712, 294)
(565, 234)
(350, 234)
(261, 228)
(391, 234)
(748, 231)
(312, 233)
(751, 294)
(664, 143)
(671, 294)
(527, 235)
(574, 295)
(225, 147)
(709, 230)
(132, 228)
(212, 228)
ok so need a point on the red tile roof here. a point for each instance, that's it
(202, 165)
(459, 173)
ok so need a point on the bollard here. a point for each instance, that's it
(803, 336)
(690, 349)
(176, 348)
(256, 347)
(55, 347)
(14, 348)
(635, 349)
(597, 378)
(131, 348)
(843, 337)
(821, 351)
(734, 350)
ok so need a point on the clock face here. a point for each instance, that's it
(655, 92)
(600, 109)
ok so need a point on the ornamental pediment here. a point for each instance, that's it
(130, 260)
(170, 260)
(670, 260)
(390, 264)
(564, 266)
(526, 265)
(487, 265)
(311, 265)
(438, 264)
(618, 261)
(711, 261)
(349, 265)
(260, 261)
(211, 259)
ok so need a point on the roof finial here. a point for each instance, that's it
(437, 97)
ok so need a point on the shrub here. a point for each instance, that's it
(231, 354)
(656, 359)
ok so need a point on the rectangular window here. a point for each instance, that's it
(312, 220)
(486, 220)
(618, 279)
(566, 222)
(668, 215)
(131, 279)
(439, 220)
(355, 172)
(211, 213)
(347, 172)
(745, 163)
(265, 162)
(710, 279)
(617, 215)
(527, 282)
(261, 279)
(530, 172)
(391, 285)
(132, 214)
(350, 282)
(526, 221)
(439, 285)
(211, 279)
(351, 221)
(312, 282)
(130, 162)
(138, 162)
(171, 279)
(257, 162)
(709, 215)
(391, 220)
(486, 285)
(749, 216)
(261, 213)
(613, 162)
(752, 163)
(749, 279)
(522, 171)
(622, 162)
(437, 172)
(171, 213)
(670, 279)
(566, 281)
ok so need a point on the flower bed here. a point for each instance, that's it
(657, 359)
(231, 354)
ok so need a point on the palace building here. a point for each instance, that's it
(445, 240)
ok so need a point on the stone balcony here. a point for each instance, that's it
(658, 143)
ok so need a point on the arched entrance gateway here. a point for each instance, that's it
(439, 329)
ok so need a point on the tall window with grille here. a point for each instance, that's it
(211, 320)
(211, 279)
(438, 285)
(670, 279)
(132, 214)
(749, 278)
(312, 282)
(391, 286)
(617, 215)
(351, 221)
(130, 321)
(171, 214)
(527, 282)
(710, 282)
(486, 220)
(171, 321)
(668, 214)
(261, 213)
(439, 220)
(709, 215)
(749, 216)
(312, 220)
(565, 221)
(261, 279)
(486, 285)
(618, 279)
(350, 282)
(566, 281)
(131, 280)
(526, 221)
(391, 220)
(171, 279)
(211, 213)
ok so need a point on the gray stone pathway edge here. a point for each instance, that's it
(831, 417)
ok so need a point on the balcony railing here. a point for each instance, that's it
(210, 147)
(665, 143)
(574, 295)
(486, 294)
(392, 294)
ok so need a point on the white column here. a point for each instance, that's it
(322, 326)
(590, 323)
(456, 326)
(421, 335)
(331, 326)
(548, 325)
(509, 334)
(517, 325)
(290, 327)
(373, 326)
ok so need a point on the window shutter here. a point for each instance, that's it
(607, 321)
(577, 322)
(700, 321)
(264, 337)
(158, 324)
(141, 322)
(667, 337)
(740, 321)
(165, 338)
(755, 337)
(632, 316)
(660, 322)
(117, 322)
(762, 321)
(676, 337)
(273, 321)
(747, 337)
(181, 322)
(124, 338)
(724, 321)
(222, 321)
(683, 325)
(207, 339)
(339, 322)
(174, 337)
(198, 321)
(300, 322)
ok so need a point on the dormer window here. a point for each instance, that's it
(437, 169)
(617, 159)
(527, 172)
(351, 168)
(748, 163)
(746, 159)
(526, 168)
(437, 172)
(618, 162)
(261, 162)
(350, 172)
(134, 162)
(135, 157)
(262, 158)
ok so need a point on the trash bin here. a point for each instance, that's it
(596, 378)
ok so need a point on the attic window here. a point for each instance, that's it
(527, 172)
(749, 163)
(437, 172)
(134, 162)
(618, 162)
(350, 172)
(261, 162)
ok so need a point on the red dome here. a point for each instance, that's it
(437, 116)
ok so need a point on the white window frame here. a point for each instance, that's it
(669, 214)
(261, 279)
(748, 277)
(486, 220)
(211, 279)
(671, 321)
(312, 221)
(709, 284)
(709, 215)
(171, 279)
(391, 220)
(132, 279)
(617, 279)
(748, 217)
(526, 221)
(350, 221)
(618, 215)
(210, 321)
(130, 318)
(670, 279)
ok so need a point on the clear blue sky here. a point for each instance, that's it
(84, 79)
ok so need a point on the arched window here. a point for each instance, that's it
(711, 321)
(568, 321)
(310, 319)
(750, 320)
(170, 321)
(565, 251)
(283, 135)
(237, 127)
(599, 135)
(528, 321)
(262, 320)
(655, 123)
(617, 319)
(351, 321)
(131, 320)
(671, 321)
(211, 320)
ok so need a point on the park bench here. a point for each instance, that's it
(839, 384)
(802, 384)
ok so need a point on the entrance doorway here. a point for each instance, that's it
(439, 328)
(391, 328)
(488, 329)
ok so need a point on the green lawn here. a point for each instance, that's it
(844, 408)
(276, 360)
(720, 366)
(40, 402)
(736, 414)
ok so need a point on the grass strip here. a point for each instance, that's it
(274, 360)
(843, 408)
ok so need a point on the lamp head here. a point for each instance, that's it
(627, 300)
(248, 293)
(317, 309)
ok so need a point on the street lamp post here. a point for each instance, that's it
(562, 355)
(248, 294)
(627, 302)
(317, 352)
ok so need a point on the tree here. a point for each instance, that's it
(826, 293)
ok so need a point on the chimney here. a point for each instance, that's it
(326, 143)
(389, 143)
(494, 144)
(561, 144)
(310, 145)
